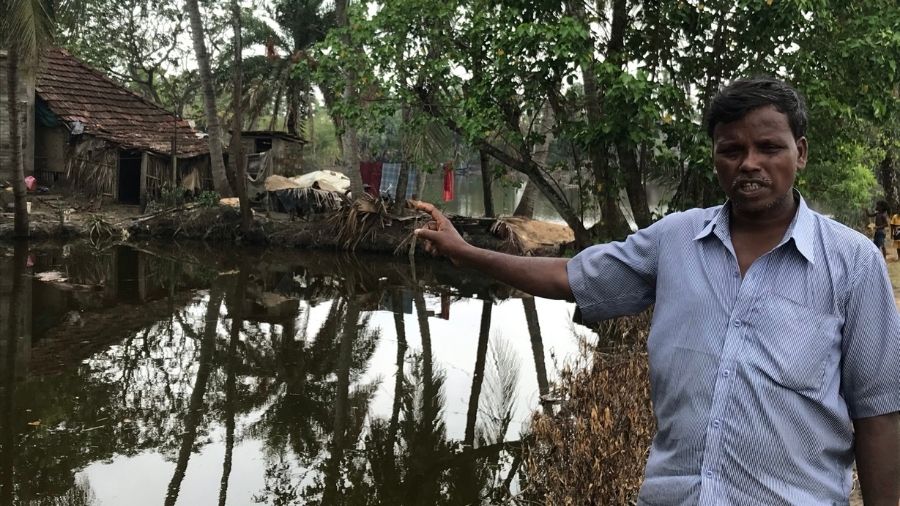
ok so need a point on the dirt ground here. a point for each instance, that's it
(49, 210)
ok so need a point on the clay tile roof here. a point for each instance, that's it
(77, 92)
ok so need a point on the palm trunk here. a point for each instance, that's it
(15, 140)
(341, 408)
(349, 140)
(397, 308)
(10, 326)
(237, 149)
(195, 406)
(403, 179)
(236, 309)
(217, 164)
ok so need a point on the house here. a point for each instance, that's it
(284, 152)
(106, 141)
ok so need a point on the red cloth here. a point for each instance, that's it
(371, 177)
(448, 182)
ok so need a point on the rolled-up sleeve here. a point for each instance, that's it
(871, 342)
(618, 278)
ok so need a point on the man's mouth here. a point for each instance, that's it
(749, 186)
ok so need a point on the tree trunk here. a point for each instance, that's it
(15, 142)
(487, 178)
(520, 162)
(634, 183)
(293, 106)
(399, 325)
(539, 155)
(195, 406)
(403, 179)
(235, 310)
(11, 330)
(478, 374)
(217, 163)
(614, 224)
(341, 402)
(349, 140)
(237, 149)
(887, 174)
(537, 351)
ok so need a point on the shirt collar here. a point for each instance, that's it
(801, 230)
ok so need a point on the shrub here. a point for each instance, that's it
(208, 198)
(593, 449)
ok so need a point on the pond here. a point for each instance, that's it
(168, 374)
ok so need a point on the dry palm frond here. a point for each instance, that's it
(360, 221)
(100, 230)
(512, 243)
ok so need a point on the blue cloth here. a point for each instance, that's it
(755, 381)
(390, 175)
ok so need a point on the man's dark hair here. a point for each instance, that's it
(736, 100)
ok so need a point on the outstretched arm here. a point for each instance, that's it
(878, 459)
(540, 276)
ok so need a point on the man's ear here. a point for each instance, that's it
(802, 152)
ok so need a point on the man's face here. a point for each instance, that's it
(757, 159)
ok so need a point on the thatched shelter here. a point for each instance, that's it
(106, 141)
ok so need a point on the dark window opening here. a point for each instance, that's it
(262, 144)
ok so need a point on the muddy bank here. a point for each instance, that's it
(347, 229)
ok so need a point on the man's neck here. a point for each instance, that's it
(775, 219)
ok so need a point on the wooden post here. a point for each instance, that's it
(175, 154)
(145, 163)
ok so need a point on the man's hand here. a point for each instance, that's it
(439, 236)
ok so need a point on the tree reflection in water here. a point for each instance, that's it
(170, 355)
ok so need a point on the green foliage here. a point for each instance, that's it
(208, 199)
(171, 196)
(471, 73)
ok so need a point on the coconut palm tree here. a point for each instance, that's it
(25, 28)
(349, 138)
(217, 163)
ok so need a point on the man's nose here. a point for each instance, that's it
(752, 161)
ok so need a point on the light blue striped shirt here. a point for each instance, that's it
(754, 381)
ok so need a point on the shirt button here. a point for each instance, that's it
(737, 323)
(737, 274)
(709, 474)
(717, 423)
(726, 373)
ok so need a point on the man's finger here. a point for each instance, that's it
(428, 208)
(426, 234)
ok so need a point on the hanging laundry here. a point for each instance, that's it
(448, 182)
(390, 175)
(371, 177)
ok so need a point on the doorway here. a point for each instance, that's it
(129, 176)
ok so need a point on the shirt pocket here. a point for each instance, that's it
(793, 343)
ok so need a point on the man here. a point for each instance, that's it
(775, 343)
(881, 223)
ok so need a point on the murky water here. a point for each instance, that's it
(193, 376)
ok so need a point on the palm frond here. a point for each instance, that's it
(26, 26)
